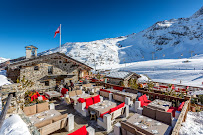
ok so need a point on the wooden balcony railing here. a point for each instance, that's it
(183, 114)
(157, 94)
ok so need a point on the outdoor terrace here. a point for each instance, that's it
(113, 122)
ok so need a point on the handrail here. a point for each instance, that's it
(181, 118)
(3, 113)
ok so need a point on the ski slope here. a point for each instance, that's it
(187, 71)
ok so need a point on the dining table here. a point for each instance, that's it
(36, 118)
(52, 94)
(132, 96)
(102, 107)
(112, 90)
(147, 125)
(160, 105)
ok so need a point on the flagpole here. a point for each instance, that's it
(60, 37)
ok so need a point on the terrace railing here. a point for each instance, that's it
(182, 117)
(155, 94)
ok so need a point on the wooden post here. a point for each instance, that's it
(3, 113)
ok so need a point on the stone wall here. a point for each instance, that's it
(35, 75)
(61, 66)
(13, 74)
(17, 101)
(125, 81)
(115, 81)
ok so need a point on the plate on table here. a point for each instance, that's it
(149, 120)
(144, 127)
(109, 103)
(52, 115)
(41, 119)
(96, 107)
(102, 107)
(158, 123)
(155, 132)
(140, 116)
(136, 123)
(37, 114)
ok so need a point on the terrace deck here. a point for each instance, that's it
(80, 120)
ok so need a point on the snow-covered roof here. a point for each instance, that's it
(119, 74)
(143, 79)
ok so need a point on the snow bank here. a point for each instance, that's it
(3, 80)
(193, 124)
(14, 125)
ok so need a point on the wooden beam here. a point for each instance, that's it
(3, 113)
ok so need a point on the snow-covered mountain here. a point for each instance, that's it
(99, 52)
(3, 59)
(175, 38)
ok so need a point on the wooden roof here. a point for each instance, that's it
(31, 46)
(19, 63)
(122, 75)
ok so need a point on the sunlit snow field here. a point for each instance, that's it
(167, 70)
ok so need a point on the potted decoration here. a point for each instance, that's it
(193, 107)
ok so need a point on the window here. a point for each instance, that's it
(33, 51)
(50, 70)
(46, 83)
(36, 68)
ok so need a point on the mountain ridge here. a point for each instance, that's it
(168, 39)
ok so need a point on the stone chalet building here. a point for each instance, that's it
(45, 70)
(121, 77)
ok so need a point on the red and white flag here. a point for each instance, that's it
(57, 31)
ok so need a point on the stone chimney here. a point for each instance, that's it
(31, 51)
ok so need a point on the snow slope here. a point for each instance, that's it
(167, 39)
(171, 39)
(100, 52)
(189, 71)
(3, 59)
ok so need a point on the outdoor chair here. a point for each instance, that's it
(50, 124)
(84, 131)
(174, 109)
(106, 119)
(144, 101)
(83, 104)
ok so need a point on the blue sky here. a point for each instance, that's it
(33, 22)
